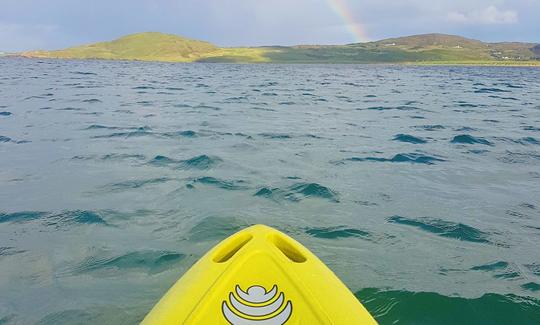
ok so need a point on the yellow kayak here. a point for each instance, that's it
(259, 276)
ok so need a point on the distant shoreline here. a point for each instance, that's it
(426, 49)
(530, 64)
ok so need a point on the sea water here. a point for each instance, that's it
(418, 186)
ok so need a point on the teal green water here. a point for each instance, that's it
(418, 186)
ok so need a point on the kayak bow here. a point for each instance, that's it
(259, 276)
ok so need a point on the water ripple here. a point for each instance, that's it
(406, 307)
(415, 158)
(298, 192)
(151, 262)
(54, 219)
(337, 232)
(469, 139)
(408, 138)
(444, 228)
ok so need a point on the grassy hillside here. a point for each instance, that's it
(418, 49)
(144, 46)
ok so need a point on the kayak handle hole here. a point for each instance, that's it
(231, 247)
(288, 249)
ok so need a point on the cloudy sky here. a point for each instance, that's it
(53, 24)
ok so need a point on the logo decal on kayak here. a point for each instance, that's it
(257, 306)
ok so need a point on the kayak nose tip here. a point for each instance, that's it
(260, 228)
(290, 248)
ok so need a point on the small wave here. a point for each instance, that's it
(504, 98)
(465, 129)
(151, 262)
(275, 135)
(134, 184)
(509, 274)
(145, 103)
(491, 267)
(236, 99)
(44, 96)
(200, 162)
(140, 132)
(136, 128)
(399, 108)
(161, 161)
(434, 127)
(337, 232)
(22, 216)
(143, 87)
(84, 73)
(102, 127)
(122, 156)
(298, 192)
(408, 138)
(54, 219)
(531, 286)
(220, 183)
(469, 139)
(110, 157)
(183, 134)
(182, 106)
(444, 228)
(263, 109)
(509, 85)
(92, 101)
(70, 109)
(468, 105)
(414, 158)
(527, 141)
(528, 206)
(490, 90)
(75, 217)
(5, 113)
(5, 139)
(531, 128)
(406, 307)
(9, 251)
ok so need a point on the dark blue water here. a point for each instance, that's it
(418, 186)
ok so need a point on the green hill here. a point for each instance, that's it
(149, 46)
(417, 49)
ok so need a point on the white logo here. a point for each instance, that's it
(258, 307)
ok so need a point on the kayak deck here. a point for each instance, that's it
(259, 276)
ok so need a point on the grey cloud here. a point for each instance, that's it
(490, 15)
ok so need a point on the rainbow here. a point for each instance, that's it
(356, 29)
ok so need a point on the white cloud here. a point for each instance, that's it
(489, 16)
